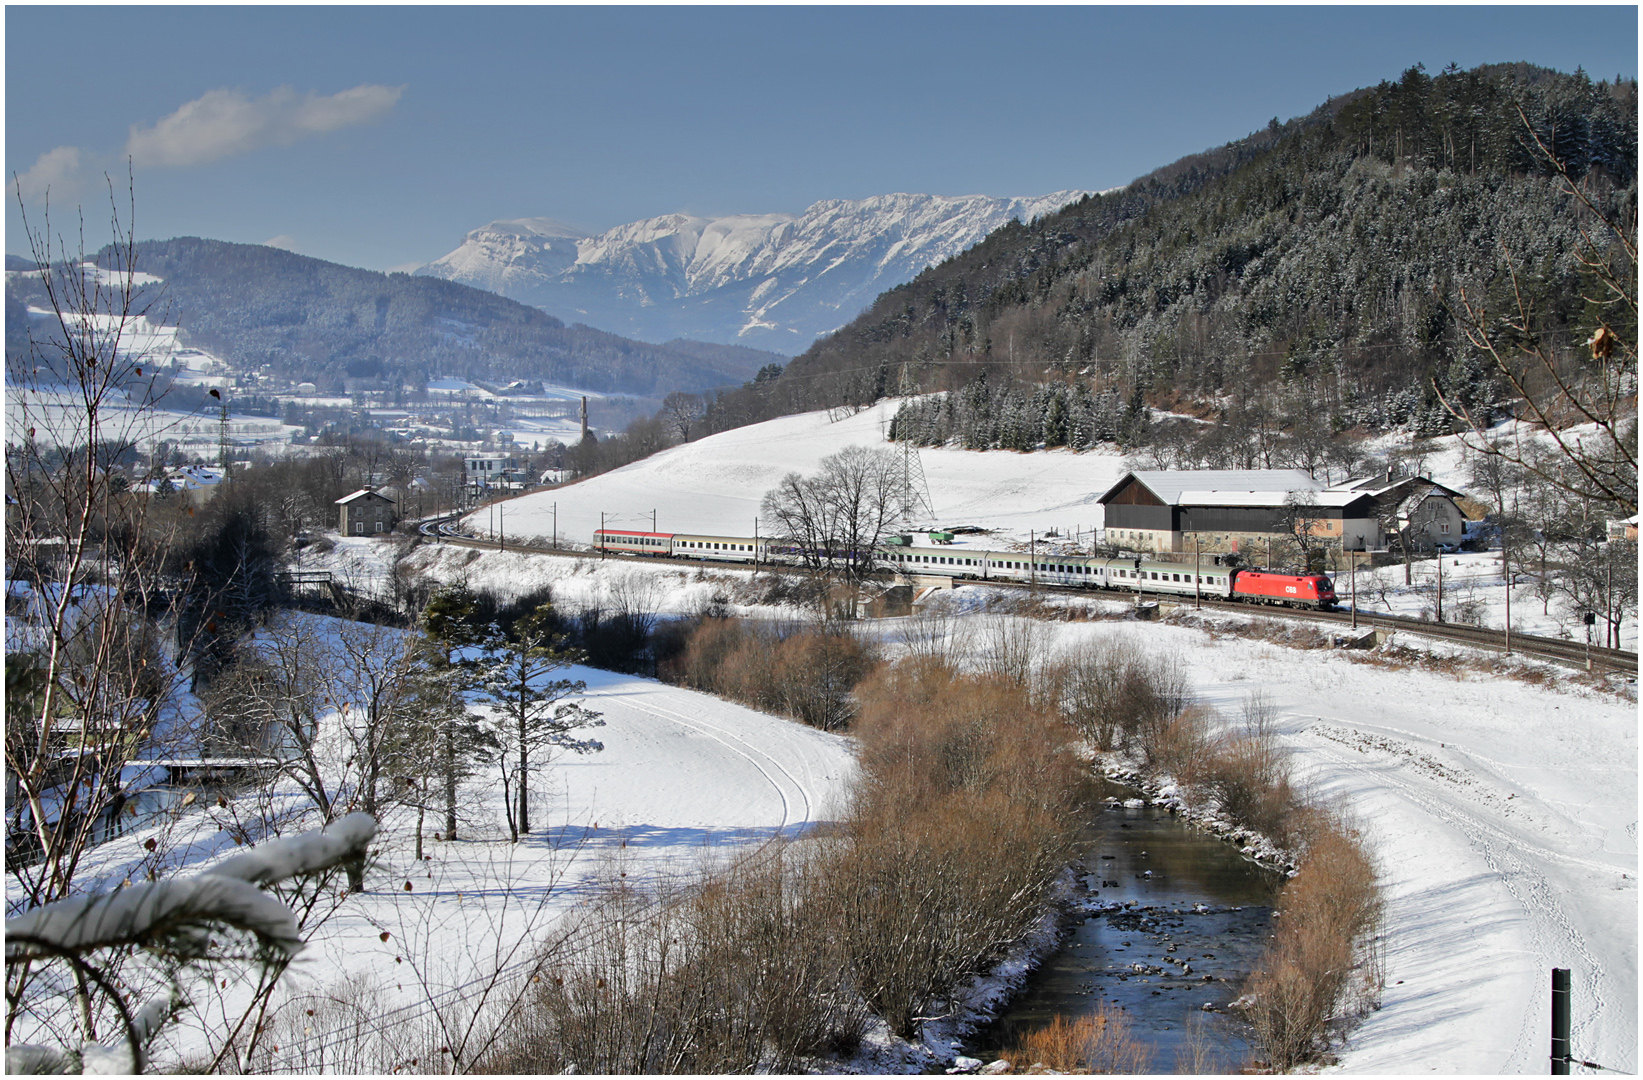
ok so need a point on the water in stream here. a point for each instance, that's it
(1184, 917)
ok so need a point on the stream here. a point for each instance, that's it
(1183, 918)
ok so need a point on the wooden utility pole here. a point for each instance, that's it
(501, 529)
(556, 526)
(1440, 585)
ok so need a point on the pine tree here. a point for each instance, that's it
(531, 713)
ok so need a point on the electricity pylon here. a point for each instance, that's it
(915, 491)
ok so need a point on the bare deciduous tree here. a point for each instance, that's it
(837, 518)
(684, 411)
(88, 624)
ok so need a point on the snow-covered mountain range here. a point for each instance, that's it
(773, 281)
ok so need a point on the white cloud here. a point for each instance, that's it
(57, 169)
(284, 241)
(226, 122)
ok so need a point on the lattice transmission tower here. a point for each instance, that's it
(915, 491)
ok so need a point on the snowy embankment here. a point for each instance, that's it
(684, 778)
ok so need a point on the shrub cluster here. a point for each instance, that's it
(806, 673)
(738, 971)
(1119, 695)
(967, 810)
(1314, 973)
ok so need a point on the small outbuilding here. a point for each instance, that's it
(366, 513)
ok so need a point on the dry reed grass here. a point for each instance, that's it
(1098, 1042)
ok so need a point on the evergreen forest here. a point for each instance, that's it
(1306, 279)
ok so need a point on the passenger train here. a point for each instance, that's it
(1131, 574)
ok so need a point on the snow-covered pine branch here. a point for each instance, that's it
(174, 921)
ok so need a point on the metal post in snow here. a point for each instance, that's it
(1354, 590)
(1440, 585)
(1560, 1021)
(1197, 566)
(601, 534)
(1608, 600)
(556, 526)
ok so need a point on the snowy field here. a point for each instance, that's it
(715, 485)
(57, 420)
(1472, 584)
(1502, 813)
(683, 780)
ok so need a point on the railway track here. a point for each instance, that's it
(1573, 653)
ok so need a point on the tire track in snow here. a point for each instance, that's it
(1462, 781)
(745, 749)
(1552, 936)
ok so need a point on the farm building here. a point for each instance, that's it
(1226, 510)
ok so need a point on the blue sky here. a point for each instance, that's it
(378, 136)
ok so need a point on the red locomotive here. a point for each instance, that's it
(1290, 590)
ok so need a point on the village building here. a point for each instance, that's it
(495, 471)
(197, 484)
(366, 513)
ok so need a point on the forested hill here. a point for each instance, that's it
(1320, 258)
(319, 321)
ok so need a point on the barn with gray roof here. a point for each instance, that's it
(1228, 509)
